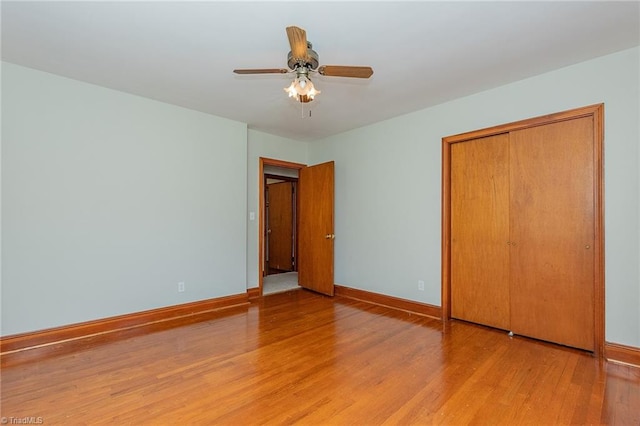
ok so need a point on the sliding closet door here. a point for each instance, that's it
(480, 231)
(552, 232)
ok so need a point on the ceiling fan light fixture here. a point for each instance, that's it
(303, 60)
(302, 89)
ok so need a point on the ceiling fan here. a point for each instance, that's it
(303, 60)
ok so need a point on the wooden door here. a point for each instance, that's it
(480, 231)
(556, 239)
(315, 228)
(280, 226)
(552, 232)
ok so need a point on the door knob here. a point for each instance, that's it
(330, 236)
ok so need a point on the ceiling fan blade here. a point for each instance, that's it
(345, 71)
(262, 71)
(298, 41)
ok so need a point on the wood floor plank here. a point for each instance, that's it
(302, 358)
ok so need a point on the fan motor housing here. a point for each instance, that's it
(312, 59)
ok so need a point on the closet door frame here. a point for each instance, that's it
(596, 112)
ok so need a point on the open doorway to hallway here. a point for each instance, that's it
(313, 247)
(280, 269)
(279, 205)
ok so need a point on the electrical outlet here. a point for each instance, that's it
(181, 287)
(420, 285)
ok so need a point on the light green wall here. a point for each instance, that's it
(109, 200)
(388, 183)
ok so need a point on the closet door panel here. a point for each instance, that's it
(479, 231)
(552, 232)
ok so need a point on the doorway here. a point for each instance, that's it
(280, 233)
(278, 225)
(314, 225)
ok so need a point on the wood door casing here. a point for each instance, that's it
(480, 231)
(552, 232)
(315, 228)
(280, 226)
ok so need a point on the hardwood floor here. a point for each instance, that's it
(302, 358)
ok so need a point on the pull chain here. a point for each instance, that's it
(302, 113)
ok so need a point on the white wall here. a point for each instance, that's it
(273, 147)
(109, 200)
(388, 183)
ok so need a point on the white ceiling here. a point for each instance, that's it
(423, 53)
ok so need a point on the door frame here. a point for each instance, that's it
(263, 161)
(597, 113)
